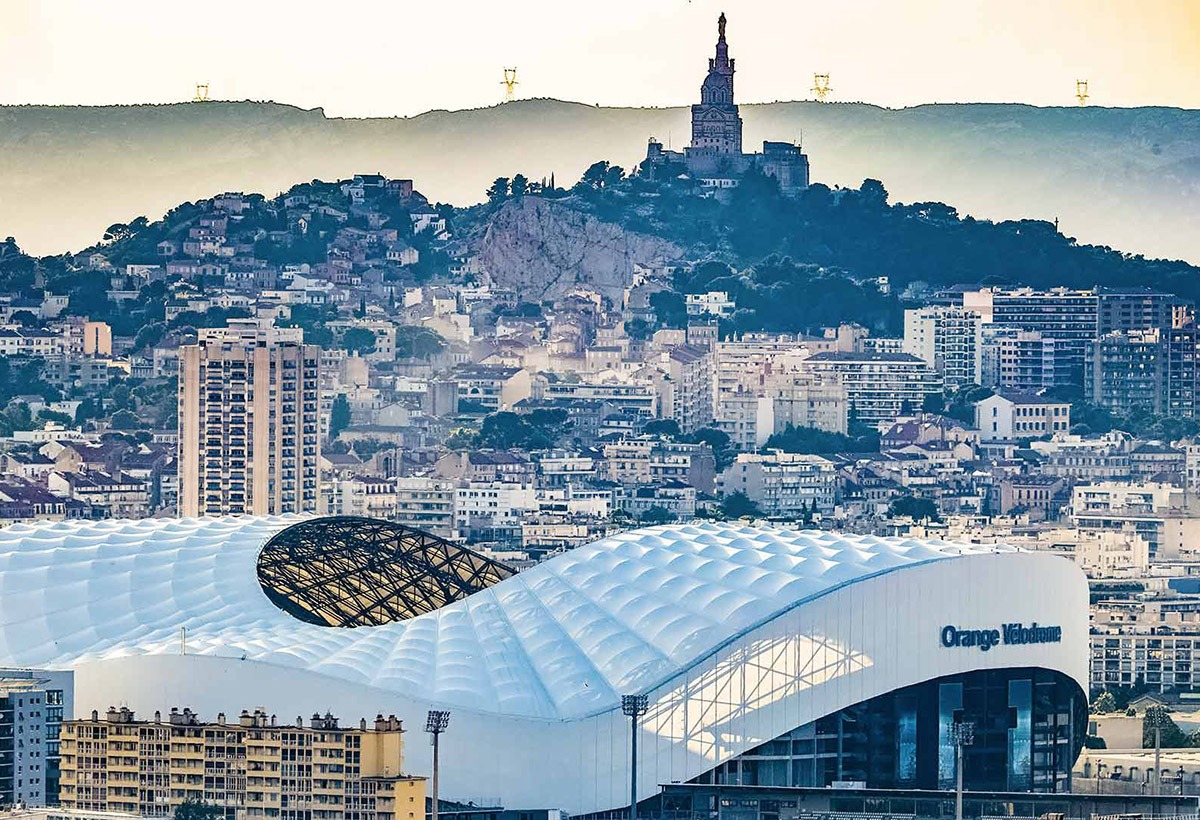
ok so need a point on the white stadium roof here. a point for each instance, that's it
(559, 641)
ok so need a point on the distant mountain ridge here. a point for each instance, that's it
(1126, 178)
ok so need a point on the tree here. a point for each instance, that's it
(1104, 704)
(149, 335)
(1172, 737)
(638, 329)
(24, 318)
(192, 809)
(498, 190)
(657, 515)
(918, 509)
(126, 420)
(718, 440)
(737, 505)
(339, 416)
(57, 418)
(536, 431)
(358, 339)
(416, 342)
(662, 427)
(595, 175)
(670, 310)
(520, 185)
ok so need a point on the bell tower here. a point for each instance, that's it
(716, 124)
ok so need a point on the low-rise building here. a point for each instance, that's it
(1012, 415)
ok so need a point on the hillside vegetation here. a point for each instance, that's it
(1128, 178)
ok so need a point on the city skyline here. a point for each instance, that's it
(139, 52)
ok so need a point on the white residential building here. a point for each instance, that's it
(880, 387)
(1011, 415)
(949, 339)
(782, 483)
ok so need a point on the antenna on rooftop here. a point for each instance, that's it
(821, 86)
(201, 93)
(510, 84)
(1081, 91)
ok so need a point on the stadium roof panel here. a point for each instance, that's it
(561, 640)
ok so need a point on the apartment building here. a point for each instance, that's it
(879, 386)
(1155, 643)
(1016, 359)
(426, 504)
(1154, 370)
(689, 399)
(253, 767)
(786, 484)
(949, 339)
(1069, 316)
(651, 461)
(248, 426)
(1162, 514)
(33, 705)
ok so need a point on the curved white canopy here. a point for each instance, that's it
(558, 641)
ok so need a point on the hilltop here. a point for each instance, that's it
(1126, 178)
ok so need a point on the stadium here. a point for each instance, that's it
(768, 657)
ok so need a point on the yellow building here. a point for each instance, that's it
(252, 768)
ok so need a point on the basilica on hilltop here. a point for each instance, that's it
(715, 156)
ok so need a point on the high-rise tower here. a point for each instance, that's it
(716, 125)
(248, 419)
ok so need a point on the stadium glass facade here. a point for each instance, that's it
(1029, 728)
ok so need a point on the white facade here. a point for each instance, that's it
(782, 483)
(949, 339)
(736, 634)
(880, 387)
(1016, 416)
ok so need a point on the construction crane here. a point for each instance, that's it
(201, 93)
(821, 86)
(510, 84)
(1081, 91)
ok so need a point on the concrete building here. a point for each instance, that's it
(248, 426)
(1087, 459)
(1162, 514)
(1155, 643)
(1011, 415)
(491, 511)
(97, 339)
(880, 387)
(784, 484)
(1016, 359)
(33, 705)
(688, 398)
(492, 386)
(1068, 316)
(254, 767)
(426, 504)
(1150, 370)
(949, 339)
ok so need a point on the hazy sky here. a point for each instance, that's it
(399, 57)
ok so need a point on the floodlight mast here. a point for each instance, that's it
(633, 707)
(963, 734)
(435, 723)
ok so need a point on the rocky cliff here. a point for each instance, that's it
(543, 248)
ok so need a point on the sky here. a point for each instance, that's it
(363, 58)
